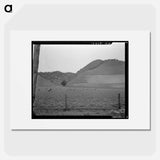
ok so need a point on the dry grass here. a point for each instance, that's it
(80, 101)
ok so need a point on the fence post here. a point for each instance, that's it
(119, 101)
(66, 107)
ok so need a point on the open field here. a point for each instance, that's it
(81, 100)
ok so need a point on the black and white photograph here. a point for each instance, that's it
(79, 79)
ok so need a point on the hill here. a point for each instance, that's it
(90, 66)
(42, 82)
(106, 67)
(100, 72)
(57, 77)
(97, 72)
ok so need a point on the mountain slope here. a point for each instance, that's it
(101, 72)
(42, 82)
(96, 72)
(91, 66)
(107, 67)
(57, 77)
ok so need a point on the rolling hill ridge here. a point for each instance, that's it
(96, 72)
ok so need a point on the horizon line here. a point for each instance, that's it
(83, 67)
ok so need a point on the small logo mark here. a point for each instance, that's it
(8, 8)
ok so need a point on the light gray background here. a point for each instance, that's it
(81, 17)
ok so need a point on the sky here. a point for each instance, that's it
(71, 58)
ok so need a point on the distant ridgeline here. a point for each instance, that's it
(54, 78)
(96, 72)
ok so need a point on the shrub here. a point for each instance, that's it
(63, 83)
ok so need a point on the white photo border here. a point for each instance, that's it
(20, 103)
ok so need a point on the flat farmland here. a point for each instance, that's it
(80, 100)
